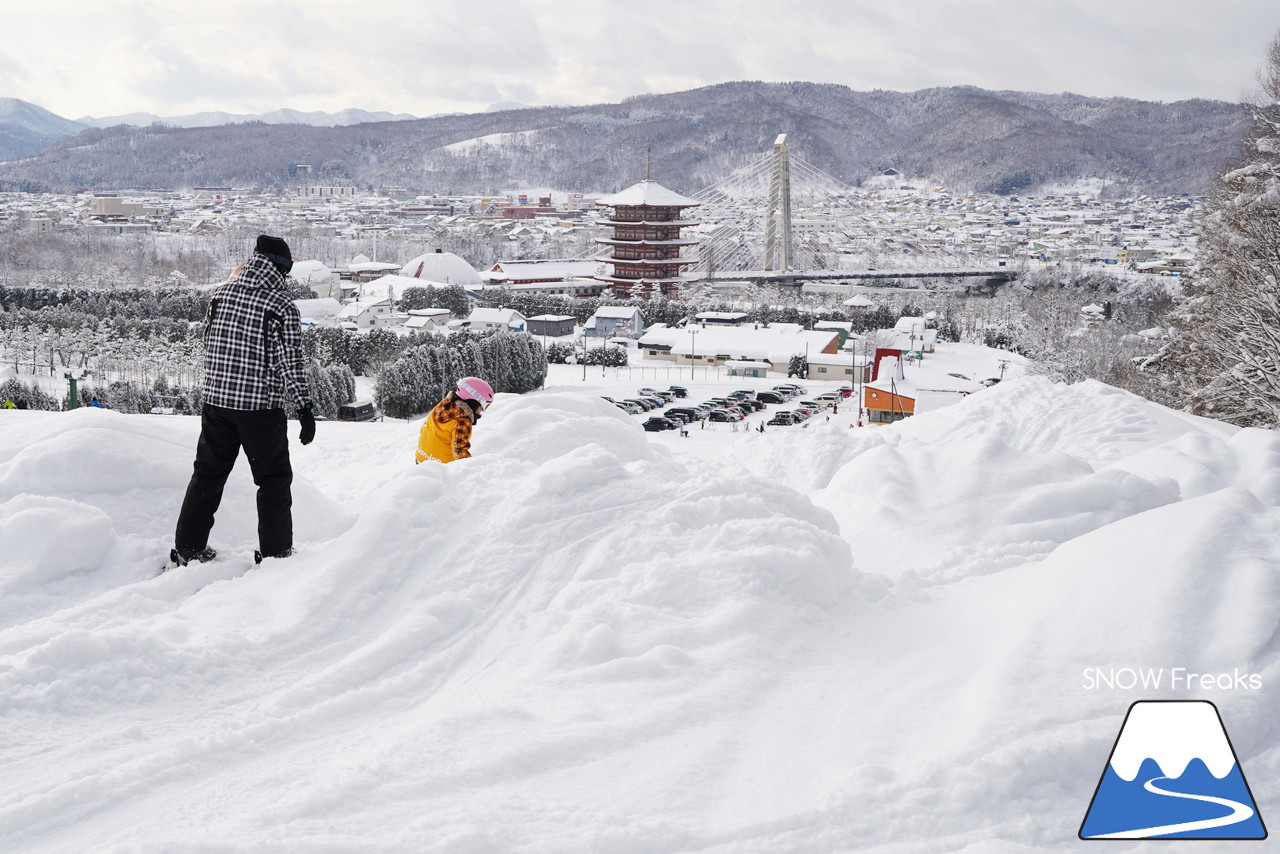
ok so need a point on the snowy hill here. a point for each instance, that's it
(590, 638)
(27, 129)
(350, 116)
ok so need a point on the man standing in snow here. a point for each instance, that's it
(253, 369)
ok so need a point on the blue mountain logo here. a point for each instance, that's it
(1173, 774)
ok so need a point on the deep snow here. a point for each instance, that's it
(589, 638)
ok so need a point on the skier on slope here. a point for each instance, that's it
(253, 369)
(446, 435)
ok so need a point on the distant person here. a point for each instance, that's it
(96, 403)
(254, 371)
(8, 403)
(446, 434)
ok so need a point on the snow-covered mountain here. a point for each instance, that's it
(275, 117)
(26, 128)
(971, 139)
(590, 638)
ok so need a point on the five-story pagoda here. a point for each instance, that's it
(644, 248)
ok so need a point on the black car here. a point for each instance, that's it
(689, 414)
(678, 390)
(769, 397)
(658, 423)
(357, 412)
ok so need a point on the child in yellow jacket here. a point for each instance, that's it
(446, 435)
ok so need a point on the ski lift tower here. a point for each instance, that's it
(777, 223)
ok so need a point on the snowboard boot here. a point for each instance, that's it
(205, 555)
(258, 556)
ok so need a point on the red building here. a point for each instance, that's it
(645, 245)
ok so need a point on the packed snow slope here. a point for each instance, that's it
(585, 639)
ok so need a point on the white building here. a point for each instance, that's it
(441, 268)
(718, 345)
(428, 319)
(367, 313)
(501, 319)
(617, 321)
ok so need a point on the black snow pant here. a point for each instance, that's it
(223, 432)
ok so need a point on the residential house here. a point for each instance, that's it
(500, 319)
(367, 313)
(613, 321)
(552, 325)
(428, 319)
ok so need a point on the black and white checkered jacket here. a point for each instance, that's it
(253, 342)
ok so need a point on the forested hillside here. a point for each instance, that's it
(971, 139)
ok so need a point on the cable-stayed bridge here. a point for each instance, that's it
(780, 218)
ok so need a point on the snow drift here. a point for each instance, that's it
(814, 640)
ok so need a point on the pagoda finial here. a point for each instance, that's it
(648, 166)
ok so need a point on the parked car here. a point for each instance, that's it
(799, 415)
(642, 403)
(725, 415)
(679, 418)
(630, 407)
(845, 391)
(358, 412)
(657, 423)
(678, 390)
(795, 388)
(687, 412)
(829, 399)
(752, 404)
(782, 419)
(809, 406)
(666, 396)
(770, 397)
(647, 392)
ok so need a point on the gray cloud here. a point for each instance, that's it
(447, 55)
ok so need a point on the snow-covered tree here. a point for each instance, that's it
(1227, 322)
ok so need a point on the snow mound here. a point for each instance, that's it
(577, 640)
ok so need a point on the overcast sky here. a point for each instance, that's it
(109, 57)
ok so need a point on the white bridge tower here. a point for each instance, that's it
(777, 217)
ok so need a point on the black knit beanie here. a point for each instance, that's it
(276, 250)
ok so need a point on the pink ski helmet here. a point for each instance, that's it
(474, 388)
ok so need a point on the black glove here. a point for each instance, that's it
(308, 425)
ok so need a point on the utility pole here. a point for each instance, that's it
(692, 356)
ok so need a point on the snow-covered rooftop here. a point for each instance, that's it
(648, 193)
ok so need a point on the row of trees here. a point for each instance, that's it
(510, 361)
